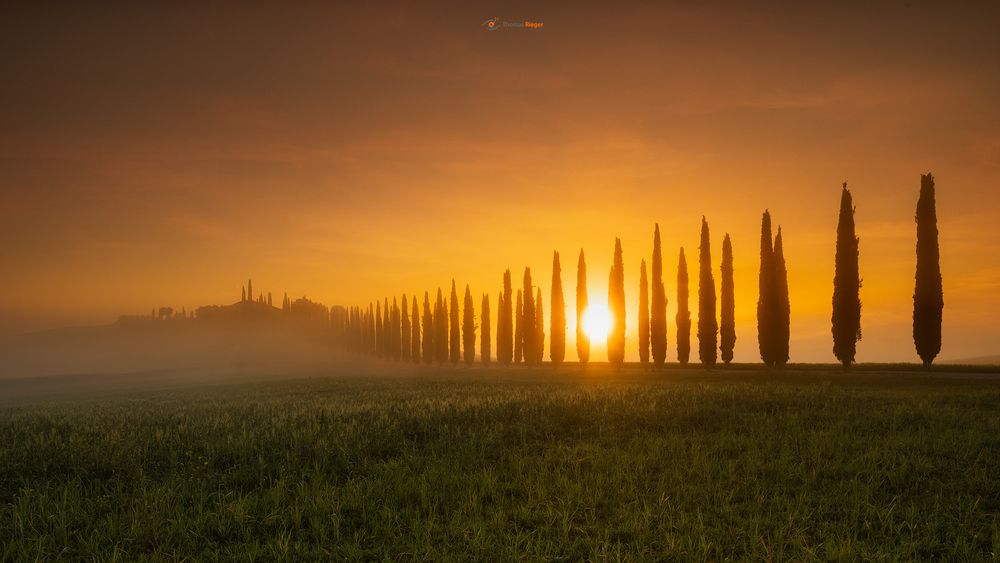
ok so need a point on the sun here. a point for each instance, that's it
(597, 321)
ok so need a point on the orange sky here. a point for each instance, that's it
(160, 155)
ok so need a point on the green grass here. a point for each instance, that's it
(496, 465)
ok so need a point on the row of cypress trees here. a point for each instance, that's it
(928, 295)
(441, 334)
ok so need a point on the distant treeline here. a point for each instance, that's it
(443, 331)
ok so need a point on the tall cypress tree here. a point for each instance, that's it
(405, 330)
(529, 342)
(455, 336)
(683, 318)
(643, 316)
(539, 328)
(379, 338)
(429, 331)
(616, 302)
(440, 329)
(783, 309)
(395, 336)
(582, 339)
(658, 306)
(386, 330)
(243, 296)
(415, 332)
(766, 297)
(484, 343)
(468, 329)
(519, 329)
(727, 330)
(372, 332)
(928, 294)
(846, 319)
(708, 326)
(557, 338)
(505, 323)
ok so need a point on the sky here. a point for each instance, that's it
(161, 154)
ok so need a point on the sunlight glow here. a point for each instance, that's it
(597, 321)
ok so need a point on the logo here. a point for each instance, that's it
(492, 24)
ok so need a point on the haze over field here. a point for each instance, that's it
(160, 154)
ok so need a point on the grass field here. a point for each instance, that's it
(460, 464)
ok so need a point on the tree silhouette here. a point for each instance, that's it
(643, 316)
(727, 330)
(269, 304)
(557, 338)
(429, 331)
(783, 316)
(243, 295)
(582, 339)
(440, 329)
(484, 343)
(468, 329)
(708, 327)
(379, 339)
(519, 329)
(372, 330)
(286, 305)
(404, 330)
(505, 323)
(846, 318)
(455, 338)
(397, 339)
(616, 302)
(539, 329)
(928, 295)
(658, 306)
(250, 290)
(415, 333)
(386, 330)
(683, 317)
(529, 343)
(767, 297)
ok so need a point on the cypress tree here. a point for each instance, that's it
(783, 309)
(658, 306)
(683, 318)
(404, 331)
(249, 290)
(440, 329)
(557, 339)
(415, 332)
(455, 338)
(379, 340)
(468, 329)
(643, 316)
(484, 343)
(372, 332)
(727, 330)
(396, 331)
(529, 342)
(846, 318)
(519, 329)
(616, 302)
(269, 304)
(928, 295)
(243, 296)
(708, 326)
(582, 338)
(428, 347)
(386, 330)
(505, 322)
(766, 297)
